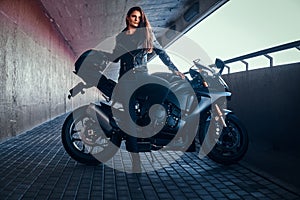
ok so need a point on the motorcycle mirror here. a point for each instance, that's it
(219, 63)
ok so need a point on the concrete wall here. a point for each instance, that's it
(35, 68)
(268, 102)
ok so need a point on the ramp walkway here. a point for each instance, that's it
(34, 165)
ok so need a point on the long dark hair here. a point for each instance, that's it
(144, 26)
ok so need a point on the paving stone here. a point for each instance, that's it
(34, 165)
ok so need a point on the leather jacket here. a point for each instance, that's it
(131, 53)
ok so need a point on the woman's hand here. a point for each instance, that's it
(178, 73)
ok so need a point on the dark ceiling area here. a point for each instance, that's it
(85, 23)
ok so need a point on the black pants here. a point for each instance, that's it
(125, 92)
(131, 144)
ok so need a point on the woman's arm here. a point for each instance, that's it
(162, 54)
(164, 57)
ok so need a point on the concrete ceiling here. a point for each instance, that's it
(85, 23)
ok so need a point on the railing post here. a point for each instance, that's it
(228, 68)
(247, 64)
(270, 58)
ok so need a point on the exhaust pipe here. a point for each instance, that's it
(96, 113)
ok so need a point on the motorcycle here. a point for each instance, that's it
(162, 110)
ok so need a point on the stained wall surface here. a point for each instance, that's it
(267, 102)
(35, 69)
(40, 41)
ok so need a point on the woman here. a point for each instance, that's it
(135, 42)
(132, 46)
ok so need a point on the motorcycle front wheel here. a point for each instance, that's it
(85, 141)
(225, 145)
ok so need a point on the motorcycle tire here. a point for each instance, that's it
(229, 145)
(72, 143)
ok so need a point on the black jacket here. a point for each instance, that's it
(131, 53)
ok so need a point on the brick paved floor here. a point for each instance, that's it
(34, 165)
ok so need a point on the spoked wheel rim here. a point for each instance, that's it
(87, 139)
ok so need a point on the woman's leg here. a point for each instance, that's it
(132, 147)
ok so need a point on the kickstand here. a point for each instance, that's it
(152, 157)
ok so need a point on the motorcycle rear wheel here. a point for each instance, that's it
(229, 145)
(87, 144)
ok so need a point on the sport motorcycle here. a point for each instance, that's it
(163, 111)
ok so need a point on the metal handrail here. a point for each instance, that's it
(265, 52)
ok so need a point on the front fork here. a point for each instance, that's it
(220, 115)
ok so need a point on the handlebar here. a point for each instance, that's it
(218, 64)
